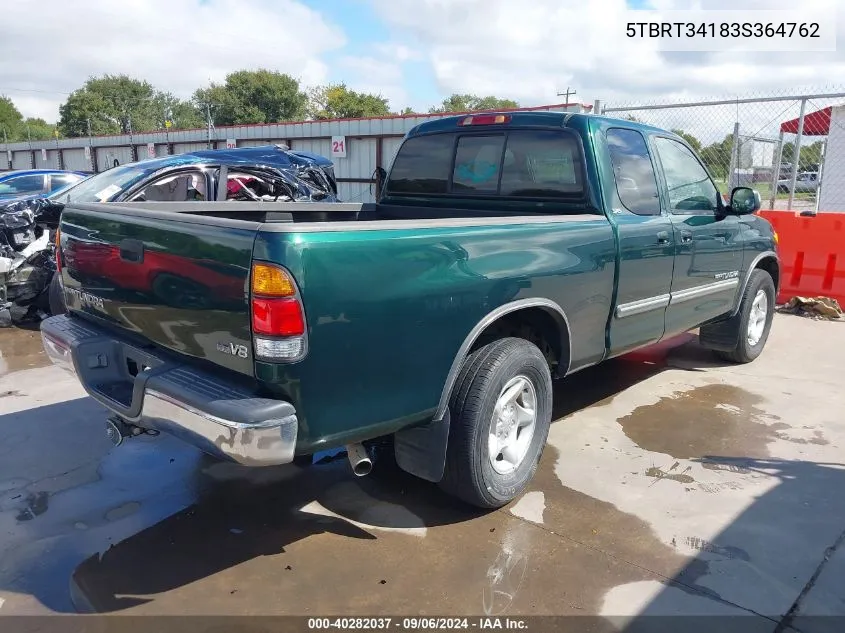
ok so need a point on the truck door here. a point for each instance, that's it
(708, 255)
(646, 244)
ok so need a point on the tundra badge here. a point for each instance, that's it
(233, 349)
(85, 298)
(729, 275)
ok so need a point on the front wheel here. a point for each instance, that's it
(501, 410)
(749, 329)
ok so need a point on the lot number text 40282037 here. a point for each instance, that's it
(418, 623)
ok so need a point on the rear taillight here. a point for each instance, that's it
(278, 319)
(58, 250)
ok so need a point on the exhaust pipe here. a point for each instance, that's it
(361, 462)
(117, 430)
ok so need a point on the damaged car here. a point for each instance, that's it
(29, 288)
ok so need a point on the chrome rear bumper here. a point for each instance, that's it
(199, 408)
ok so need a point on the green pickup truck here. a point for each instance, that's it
(505, 250)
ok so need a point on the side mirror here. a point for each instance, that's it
(745, 200)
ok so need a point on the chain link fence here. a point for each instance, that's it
(789, 147)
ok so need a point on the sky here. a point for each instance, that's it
(414, 52)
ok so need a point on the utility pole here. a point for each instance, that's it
(6, 145)
(567, 94)
(168, 121)
(59, 157)
(90, 145)
(31, 153)
(209, 123)
(132, 153)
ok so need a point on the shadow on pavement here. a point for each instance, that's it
(766, 561)
(236, 519)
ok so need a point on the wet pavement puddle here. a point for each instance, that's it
(716, 419)
(21, 349)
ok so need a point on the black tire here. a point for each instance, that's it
(469, 474)
(56, 295)
(742, 351)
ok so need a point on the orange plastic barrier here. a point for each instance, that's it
(812, 253)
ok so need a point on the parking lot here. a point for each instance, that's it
(671, 484)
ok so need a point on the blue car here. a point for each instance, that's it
(25, 183)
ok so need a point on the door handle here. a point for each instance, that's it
(686, 237)
(663, 237)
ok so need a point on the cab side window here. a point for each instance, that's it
(180, 187)
(242, 186)
(23, 185)
(689, 185)
(636, 183)
(59, 181)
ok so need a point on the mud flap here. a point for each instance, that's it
(421, 450)
(721, 336)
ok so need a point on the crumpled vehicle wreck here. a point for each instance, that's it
(28, 225)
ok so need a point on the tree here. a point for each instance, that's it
(473, 103)
(336, 101)
(689, 138)
(182, 114)
(116, 104)
(253, 96)
(10, 119)
(39, 130)
(407, 110)
(83, 107)
(810, 155)
(717, 157)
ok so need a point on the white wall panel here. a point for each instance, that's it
(21, 160)
(74, 159)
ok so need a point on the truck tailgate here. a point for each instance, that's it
(180, 281)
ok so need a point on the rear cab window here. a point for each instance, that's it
(515, 164)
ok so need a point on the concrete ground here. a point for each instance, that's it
(672, 484)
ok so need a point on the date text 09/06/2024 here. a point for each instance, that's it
(418, 623)
(723, 29)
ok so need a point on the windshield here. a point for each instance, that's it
(102, 187)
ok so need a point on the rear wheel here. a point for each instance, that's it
(501, 409)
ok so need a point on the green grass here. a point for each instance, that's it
(765, 189)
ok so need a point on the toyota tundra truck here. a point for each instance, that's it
(504, 250)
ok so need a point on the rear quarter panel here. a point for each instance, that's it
(388, 309)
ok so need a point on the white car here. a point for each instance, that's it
(807, 182)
